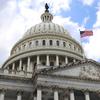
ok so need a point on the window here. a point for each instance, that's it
(64, 44)
(50, 42)
(30, 43)
(24, 46)
(69, 45)
(37, 43)
(57, 42)
(43, 42)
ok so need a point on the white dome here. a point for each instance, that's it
(46, 26)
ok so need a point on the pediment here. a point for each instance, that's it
(85, 70)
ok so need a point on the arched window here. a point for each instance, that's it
(69, 45)
(37, 43)
(43, 42)
(57, 42)
(64, 44)
(30, 43)
(50, 42)
(24, 46)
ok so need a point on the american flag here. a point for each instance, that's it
(86, 33)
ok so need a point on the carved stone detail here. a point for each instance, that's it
(90, 72)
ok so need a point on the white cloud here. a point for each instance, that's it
(92, 48)
(87, 2)
(86, 19)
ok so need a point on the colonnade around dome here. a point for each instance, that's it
(29, 64)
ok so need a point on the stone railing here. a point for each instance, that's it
(8, 72)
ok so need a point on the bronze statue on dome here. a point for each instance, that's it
(46, 7)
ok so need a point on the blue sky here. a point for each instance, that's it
(19, 15)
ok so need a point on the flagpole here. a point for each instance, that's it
(84, 57)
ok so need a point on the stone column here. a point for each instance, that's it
(2, 95)
(72, 95)
(38, 59)
(56, 95)
(66, 60)
(57, 60)
(20, 64)
(47, 60)
(39, 94)
(19, 95)
(13, 66)
(87, 97)
(28, 64)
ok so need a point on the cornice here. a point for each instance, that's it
(15, 78)
(70, 65)
(58, 88)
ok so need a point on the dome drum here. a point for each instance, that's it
(44, 40)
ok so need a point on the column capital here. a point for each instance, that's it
(2, 91)
(19, 92)
(87, 97)
(71, 89)
(85, 90)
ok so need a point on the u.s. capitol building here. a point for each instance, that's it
(48, 64)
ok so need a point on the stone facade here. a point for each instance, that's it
(48, 64)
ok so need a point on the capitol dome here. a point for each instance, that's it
(46, 26)
(45, 44)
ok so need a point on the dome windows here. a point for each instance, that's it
(43, 42)
(64, 44)
(30, 43)
(50, 42)
(37, 43)
(57, 43)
